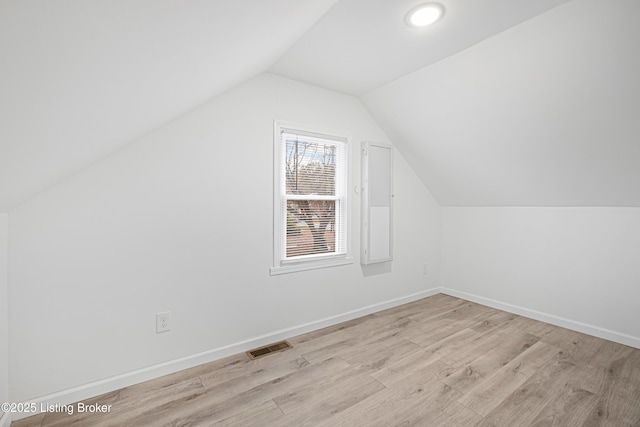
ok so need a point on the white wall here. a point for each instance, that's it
(4, 317)
(181, 220)
(578, 267)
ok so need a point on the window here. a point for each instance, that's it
(310, 199)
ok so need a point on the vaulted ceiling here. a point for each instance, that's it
(546, 113)
(502, 102)
(82, 78)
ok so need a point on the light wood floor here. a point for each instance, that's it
(440, 361)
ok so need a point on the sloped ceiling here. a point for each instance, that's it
(544, 114)
(503, 102)
(360, 45)
(81, 78)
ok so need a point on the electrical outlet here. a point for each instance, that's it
(424, 269)
(162, 321)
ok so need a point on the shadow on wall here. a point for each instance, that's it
(375, 269)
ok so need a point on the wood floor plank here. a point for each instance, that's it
(252, 375)
(397, 317)
(534, 358)
(323, 346)
(377, 355)
(569, 407)
(513, 345)
(33, 421)
(576, 347)
(488, 394)
(196, 410)
(265, 414)
(432, 331)
(431, 311)
(218, 404)
(492, 321)
(609, 351)
(455, 415)
(273, 386)
(468, 376)
(419, 307)
(525, 403)
(492, 391)
(618, 395)
(348, 345)
(508, 347)
(454, 342)
(310, 404)
(417, 362)
(439, 361)
(381, 326)
(410, 404)
(522, 325)
(467, 314)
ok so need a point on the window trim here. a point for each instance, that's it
(311, 262)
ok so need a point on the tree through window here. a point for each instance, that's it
(310, 172)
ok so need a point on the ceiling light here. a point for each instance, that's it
(425, 14)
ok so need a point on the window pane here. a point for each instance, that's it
(311, 226)
(310, 167)
(310, 186)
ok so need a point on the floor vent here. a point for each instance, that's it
(268, 349)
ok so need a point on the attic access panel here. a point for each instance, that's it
(377, 203)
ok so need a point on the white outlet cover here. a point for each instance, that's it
(163, 322)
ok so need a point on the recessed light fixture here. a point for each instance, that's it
(425, 14)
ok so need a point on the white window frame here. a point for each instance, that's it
(309, 262)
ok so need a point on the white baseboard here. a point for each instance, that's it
(107, 385)
(5, 419)
(548, 318)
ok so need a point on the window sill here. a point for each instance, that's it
(310, 265)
